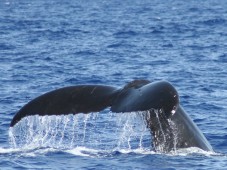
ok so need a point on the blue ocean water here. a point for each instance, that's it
(45, 45)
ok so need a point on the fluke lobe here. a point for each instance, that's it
(170, 126)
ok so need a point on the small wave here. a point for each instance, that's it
(143, 151)
(191, 151)
(4, 46)
(8, 150)
(28, 151)
(215, 21)
(124, 34)
(90, 152)
(116, 45)
(83, 151)
(85, 53)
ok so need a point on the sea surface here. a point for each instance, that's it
(45, 45)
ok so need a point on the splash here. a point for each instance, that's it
(133, 132)
(93, 135)
(103, 130)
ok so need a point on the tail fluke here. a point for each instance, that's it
(68, 100)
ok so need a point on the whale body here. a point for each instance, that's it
(169, 125)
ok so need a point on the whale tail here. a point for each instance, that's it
(169, 124)
(73, 100)
(94, 98)
(68, 100)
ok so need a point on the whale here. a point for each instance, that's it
(156, 102)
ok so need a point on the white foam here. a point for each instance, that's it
(191, 151)
(83, 151)
(8, 150)
(142, 151)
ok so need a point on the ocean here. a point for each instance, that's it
(46, 45)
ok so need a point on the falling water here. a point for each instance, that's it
(92, 134)
(164, 131)
(175, 133)
(103, 130)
